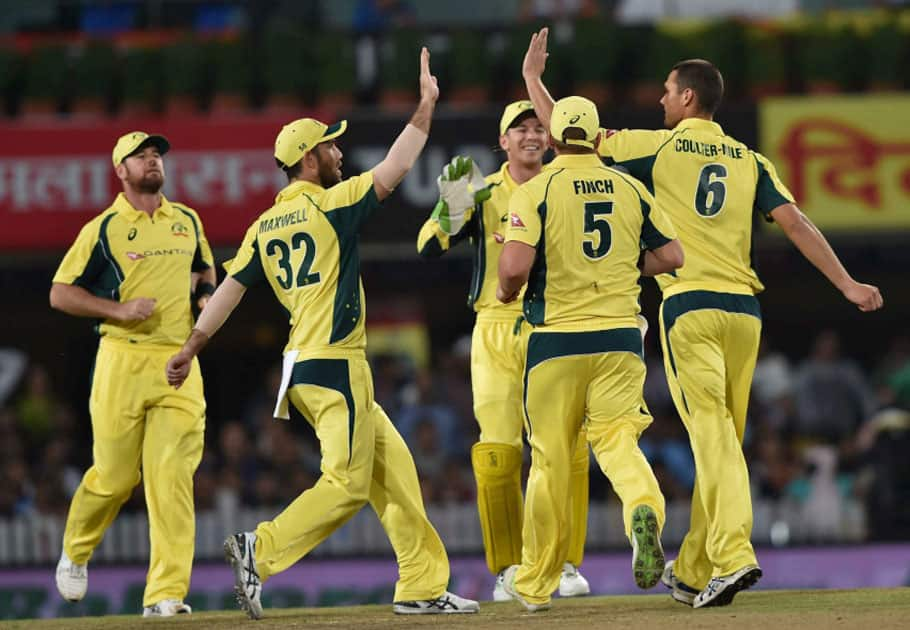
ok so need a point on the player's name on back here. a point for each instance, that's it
(685, 145)
(283, 220)
(588, 186)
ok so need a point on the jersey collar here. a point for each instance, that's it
(576, 161)
(507, 182)
(126, 209)
(699, 123)
(295, 188)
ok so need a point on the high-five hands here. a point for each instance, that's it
(429, 90)
(536, 58)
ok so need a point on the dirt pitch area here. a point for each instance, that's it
(867, 609)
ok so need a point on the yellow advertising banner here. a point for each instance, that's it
(846, 159)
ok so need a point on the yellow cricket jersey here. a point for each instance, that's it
(124, 253)
(709, 184)
(486, 230)
(588, 223)
(306, 248)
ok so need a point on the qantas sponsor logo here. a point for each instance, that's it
(148, 253)
(516, 221)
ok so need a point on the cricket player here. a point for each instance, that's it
(306, 248)
(710, 184)
(574, 236)
(134, 268)
(497, 353)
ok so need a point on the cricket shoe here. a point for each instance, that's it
(240, 552)
(720, 591)
(167, 608)
(499, 589)
(72, 578)
(446, 604)
(572, 583)
(508, 583)
(647, 554)
(681, 592)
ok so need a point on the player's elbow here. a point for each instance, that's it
(668, 258)
(676, 257)
(511, 272)
(55, 297)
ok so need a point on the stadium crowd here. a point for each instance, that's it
(822, 429)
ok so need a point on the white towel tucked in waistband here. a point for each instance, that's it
(287, 369)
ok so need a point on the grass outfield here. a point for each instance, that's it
(868, 609)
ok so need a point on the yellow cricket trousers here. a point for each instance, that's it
(570, 377)
(497, 383)
(710, 343)
(139, 422)
(363, 459)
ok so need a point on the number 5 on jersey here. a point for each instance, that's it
(594, 222)
(304, 277)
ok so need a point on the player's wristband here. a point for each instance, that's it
(204, 289)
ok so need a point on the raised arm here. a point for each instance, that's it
(532, 70)
(407, 147)
(815, 247)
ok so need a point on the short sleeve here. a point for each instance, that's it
(634, 150)
(656, 228)
(770, 192)
(80, 265)
(355, 198)
(524, 223)
(246, 266)
(202, 258)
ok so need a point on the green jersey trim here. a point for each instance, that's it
(534, 304)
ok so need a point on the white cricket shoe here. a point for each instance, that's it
(681, 592)
(72, 578)
(240, 552)
(572, 583)
(499, 590)
(446, 604)
(167, 608)
(508, 583)
(647, 554)
(720, 591)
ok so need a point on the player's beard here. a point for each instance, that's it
(329, 173)
(149, 183)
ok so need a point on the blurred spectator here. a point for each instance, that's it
(561, 9)
(12, 367)
(773, 379)
(428, 405)
(455, 483)
(832, 397)
(824, 506)
(37, 407)
(666, 443)
(773, 466)
(425, 447)
(375, 16)
(884, 481)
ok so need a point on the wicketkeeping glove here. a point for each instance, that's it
(461, 185)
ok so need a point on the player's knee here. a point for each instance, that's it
(356, 487)
(118, 486)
